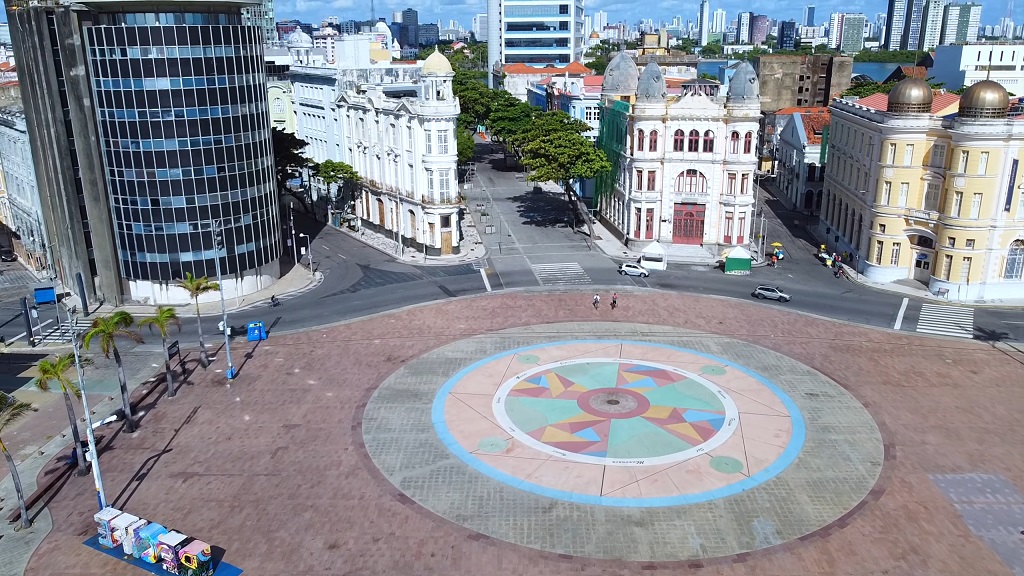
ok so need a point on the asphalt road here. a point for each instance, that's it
(534, 245)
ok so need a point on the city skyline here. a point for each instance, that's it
(463, 11)
(618, 11)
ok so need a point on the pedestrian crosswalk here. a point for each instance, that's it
(946, 320)
(564, 274)
(62, 333)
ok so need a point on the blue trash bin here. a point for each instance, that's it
(257, 331)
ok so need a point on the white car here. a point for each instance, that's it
(628, 269)
(773, 292)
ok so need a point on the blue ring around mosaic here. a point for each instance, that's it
(796, 442)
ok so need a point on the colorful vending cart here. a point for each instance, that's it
(196, 559)
(119, 528)
(170, 545)
(103, 519)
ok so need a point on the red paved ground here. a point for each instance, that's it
(273, 470)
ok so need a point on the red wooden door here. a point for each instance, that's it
(688, 224)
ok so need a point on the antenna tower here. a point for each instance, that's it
(373, 15)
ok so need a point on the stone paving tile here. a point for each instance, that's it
(273, 468)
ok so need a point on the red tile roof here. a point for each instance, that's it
(814, 124)
(571, 68)
(593, 80)
(940, 101)
(919, 72)
(800, 109)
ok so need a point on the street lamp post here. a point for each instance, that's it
(218, 236)
(309, 249)
(90, 437)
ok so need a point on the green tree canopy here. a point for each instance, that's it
(896, 56)
(465, 144)
(598, 64)
(288, 156)
(712, 50)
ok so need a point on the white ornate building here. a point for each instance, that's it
(683, 162)
(395, 125)
(19, 204)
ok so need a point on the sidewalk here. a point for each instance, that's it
(387, 245)
(44, 435)
(911, 291)
(296, 281)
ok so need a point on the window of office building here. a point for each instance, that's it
(976, 206)
(894, 258)
(908, 155)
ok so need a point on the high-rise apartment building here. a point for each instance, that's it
(758, 29)
(851, 40)
(787, 35)
(835, 29)
(718, 21)
(904, 20)
(600, 20)
(960, 23)
(808, 19)
(150, 133)
(743, 27)
(880, 26)
(410, 28)
(703, 22)
(480, 27)
(931, 24)
(535, 32)
(262, 16)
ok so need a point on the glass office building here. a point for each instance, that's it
(181, 104)
(157, 161)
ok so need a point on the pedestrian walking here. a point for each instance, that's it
(775, 260)
(615, 300)
(597, 301)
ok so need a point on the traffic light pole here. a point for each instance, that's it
(218, 236)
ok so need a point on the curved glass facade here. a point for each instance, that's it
(181, 103)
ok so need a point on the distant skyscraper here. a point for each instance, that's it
(809, 15)
(851, 40)
(718, 22)
(480, 27)
(743, 28)
(931, 24)
(880, 26)
(912, 25)
(703, 23)
(758, 29)
(600, 20)
(262, 15)
(787, 35)
(895, 16)
(410, 29)
(960, 23)
(835, 29)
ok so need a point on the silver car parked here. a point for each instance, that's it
(773, 292)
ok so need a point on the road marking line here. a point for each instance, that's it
(1011, 322)
(899, 317)
(487, 283)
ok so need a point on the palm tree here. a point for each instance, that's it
(164, 319)
(56, 371)
(196, 287)
(108, 329)
(11, 410)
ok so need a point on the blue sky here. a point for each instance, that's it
(463, 10)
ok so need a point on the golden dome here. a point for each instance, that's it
(436, 63)
(910, 96)
(594, 35)
(986, 99)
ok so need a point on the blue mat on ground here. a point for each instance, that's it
(220, 569)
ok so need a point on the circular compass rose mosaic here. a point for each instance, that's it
(615, 412)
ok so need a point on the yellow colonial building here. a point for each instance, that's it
(922, 185)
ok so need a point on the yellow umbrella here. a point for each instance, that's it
(777, 244)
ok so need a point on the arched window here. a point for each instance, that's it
(693, 144)
(734, 143)
(692, 183)
(640, 140)
(654, 141)
(1014, 269)
(678, 141)
(709, 141)
(278, 106)
(811, 172)
(748, 142)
